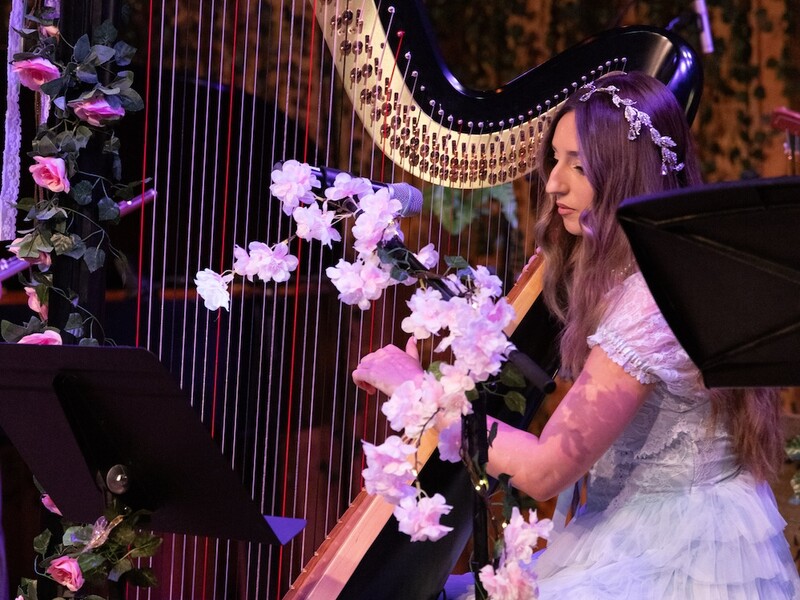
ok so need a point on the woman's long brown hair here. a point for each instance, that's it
(580, 270)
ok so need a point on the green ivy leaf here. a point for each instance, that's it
(94, 258)
(78, 247)
(107, 209)
(111, 145)
(456, 262)
(27, 589)
(53, 88)
(131, 100)
(146, 547)
(45, 146)
(105, 33)
(398, 274)
(74, 326)
(123, 81)
(82, 135)
(511, 376)
(125, 53)
(40, 244)
(120, 569)
(41, 542)
(25, 204)
(435, 368)
(100, 55)
(515, 401)
(86, 73)
(77, 535)
(12, 332)
(48, 212)
(89, 561)
(82, 49)
(81, 192)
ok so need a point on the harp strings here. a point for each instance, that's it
(242, 85)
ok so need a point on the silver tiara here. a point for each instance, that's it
(636, 118)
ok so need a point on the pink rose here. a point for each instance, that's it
(65, 570)
(51, 173)
(96, 110)
(33, 72)
(48, 503)
(47, 338)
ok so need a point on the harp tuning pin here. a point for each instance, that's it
(408, 55)
(565, 91)
(470, 124)
(390, 10)
(501, 123)
(432, 103)
(539, 108)
(422, 88)
(480, 124)
(450, 118)
(608, 64)
(414, 74)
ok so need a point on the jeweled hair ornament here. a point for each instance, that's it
(636, 118)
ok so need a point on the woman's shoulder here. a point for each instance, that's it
(635, 335)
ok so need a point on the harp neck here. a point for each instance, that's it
(434, 128)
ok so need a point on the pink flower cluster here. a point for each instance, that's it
(389, 474)
(292, 184)
(264, 262)
(513, 579)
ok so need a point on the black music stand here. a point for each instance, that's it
(76, 413)
(723, 264)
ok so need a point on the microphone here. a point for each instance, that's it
(410, 197)
(706, 39)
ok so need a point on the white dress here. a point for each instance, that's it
(669, 514)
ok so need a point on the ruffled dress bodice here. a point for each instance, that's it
(669, 513)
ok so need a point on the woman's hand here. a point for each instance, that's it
(385, 369)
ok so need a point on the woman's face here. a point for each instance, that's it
(567, 182)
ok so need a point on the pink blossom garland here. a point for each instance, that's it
(471, 325)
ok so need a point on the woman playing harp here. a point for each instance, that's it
(678, 505)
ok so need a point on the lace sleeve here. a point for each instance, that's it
(635, 335)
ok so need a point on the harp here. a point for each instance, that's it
(234, 87)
